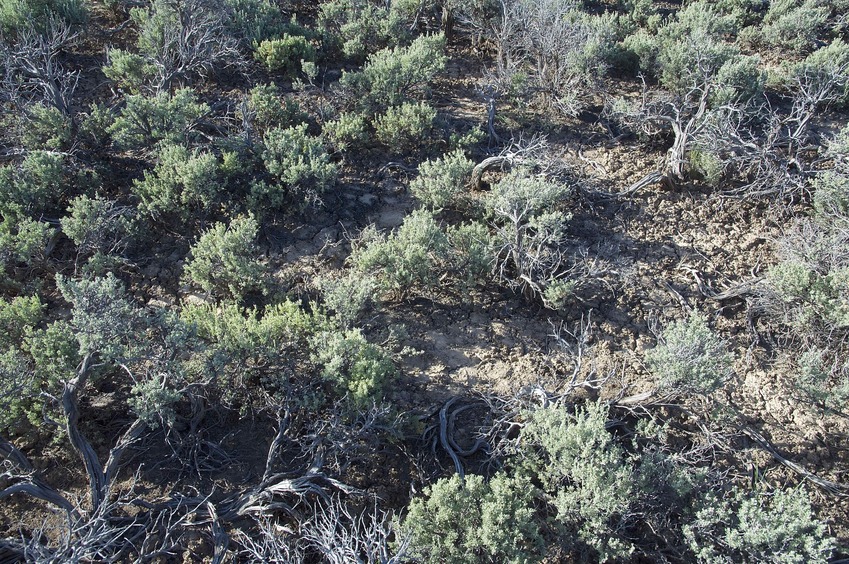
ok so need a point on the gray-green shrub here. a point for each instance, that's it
(285, 54)
(224, 260)
(689, 358)
(757, 526)
(393, 76)
(405, 128)
(357, 369)
(183, 183)
(146, 121)
(475, 520)
(443, 182)
(406, 259)
(300, 166)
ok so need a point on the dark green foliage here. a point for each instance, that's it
(45, 127)
(254, 351)
(254, 21)
(346, 132)
(793, 24)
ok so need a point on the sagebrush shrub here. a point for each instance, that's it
(405, 259)
(358, 369)
(347, 131)
(270, 109)
(443, 182)
(97, 225)
(391, 77)
(285, 54)
(758, 526)
(583, 473)
(224, 260)
(358, 28)
(475, 520)
(345, 297)
(183, 183)
(146, 121)
(406, 127)
(300, 164)
(689, 358)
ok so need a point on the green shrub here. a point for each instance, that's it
(128, 71)
(531, 230)
(583, 473)
(17, 16)
(793, 25)
(405, 259)
(224, 260)
(18, 393)
(471, 253)
(270, 109)
(94, 127)
(358, 369)
(473, 520)
(824, 75)
(103, 319)
(146, 121)
(18, 319)
(56, 354)
(443, 182)
(253, 352)
(406, 127)
(758, 527)
(97, 225)
(689, 358)
(347, 131)
(152, 400)
(183, 183)
(825, 382)
(345, 297)
(24, 240)
(359, 27)
(254, 21)
(300, 163)
(391, 77)
(46, 128)
(285, 54)
(33, 187)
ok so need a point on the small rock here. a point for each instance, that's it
(368, 199)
